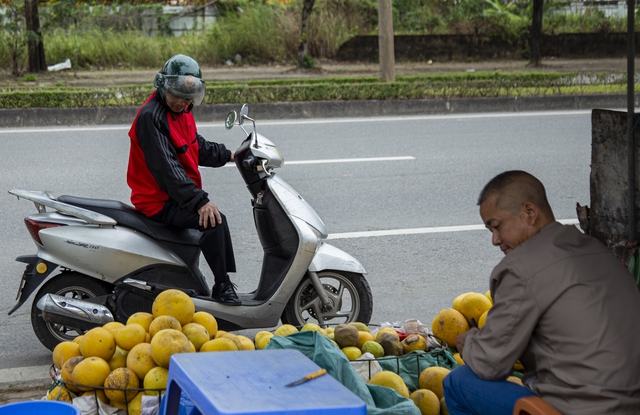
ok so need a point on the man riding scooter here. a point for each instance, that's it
(163, 174)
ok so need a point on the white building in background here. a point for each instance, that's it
(611, 8)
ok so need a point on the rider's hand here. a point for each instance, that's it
(233, 156)
(462, 339)
(209, 214)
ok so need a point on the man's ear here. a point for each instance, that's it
(531, 212)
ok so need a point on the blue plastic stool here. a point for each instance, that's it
(39, 408)
(253, 383)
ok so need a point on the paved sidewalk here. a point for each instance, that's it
(24, 384)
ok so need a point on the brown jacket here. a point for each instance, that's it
(570, 311)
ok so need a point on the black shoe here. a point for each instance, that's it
(225, 293)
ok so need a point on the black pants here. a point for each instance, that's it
(215, 242)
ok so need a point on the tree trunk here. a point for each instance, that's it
(385, 42)
(303, 49)
(37, 62)
(607, 219)
(536, 33)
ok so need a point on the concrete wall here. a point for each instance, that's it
(464, 47)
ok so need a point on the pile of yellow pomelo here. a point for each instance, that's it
(119, 363)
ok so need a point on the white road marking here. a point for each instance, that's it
(414, 231)
(309, 121)
(327, 161)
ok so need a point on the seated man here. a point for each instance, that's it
(563, 305)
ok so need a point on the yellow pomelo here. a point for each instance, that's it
(98, 342)
(167, 343)
(67, 373)
(456, 301)
(262, 339)
(163, 323)
(97, 393)
(448, 324)
(473, 305)
(414, 342)
(285, 330)
(130, 335)
(329, 330)
(65, 351)
(207, 321)
(518, 366)
(374, 348)
(196, 333)
(218, 334)
(247, 344)
(483, 319)
(431, 378)
(142, 318)
(458, 358)
(387, 330)
(156, 378)
(90, 373)
(360, 326)
(233, 338)
(443, 407)
(59, 393)
(352, 352)
(119, 383)
(515, 379)
(390, 380)
(426, 401)
(363, 337)
(118, 405)
(219, 345)
(312, 327)
(134, 407)
(174, 303)
(113, 327)
(140, 359)
(77, 339)
(488, 295)
(119, 359)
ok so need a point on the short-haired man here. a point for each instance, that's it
(563, 305)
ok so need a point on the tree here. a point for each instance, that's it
(37, 62)
(536, 33)
(303, 48)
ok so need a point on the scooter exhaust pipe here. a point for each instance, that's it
(72, 312)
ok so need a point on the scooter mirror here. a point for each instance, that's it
(231, 120)
(244, 111)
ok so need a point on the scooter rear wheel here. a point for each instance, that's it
(350, 295)
(67, 284)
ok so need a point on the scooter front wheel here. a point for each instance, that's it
(349, 293)
(67, 284)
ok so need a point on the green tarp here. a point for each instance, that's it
(379, 400)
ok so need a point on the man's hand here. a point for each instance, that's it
(209, 214)
(233, 156)
(462, 339)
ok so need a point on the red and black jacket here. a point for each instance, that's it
(165, 153)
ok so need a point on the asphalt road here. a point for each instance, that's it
(443, 162)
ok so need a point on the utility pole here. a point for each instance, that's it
(385, 42)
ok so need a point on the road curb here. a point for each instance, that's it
(25, 378)
(47, 117)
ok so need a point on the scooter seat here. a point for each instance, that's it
(127, 216)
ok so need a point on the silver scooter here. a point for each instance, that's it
(101, 260)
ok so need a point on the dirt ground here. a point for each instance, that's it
(324, 69)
